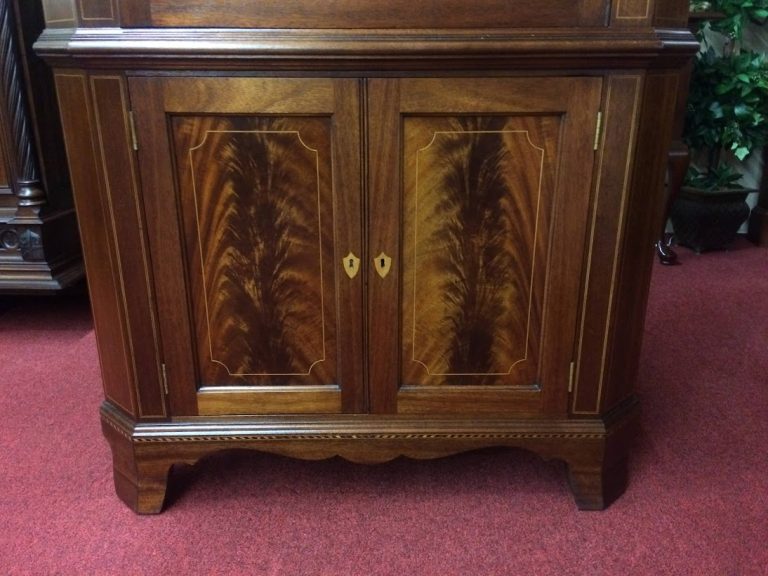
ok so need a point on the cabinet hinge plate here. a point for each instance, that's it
(134, 139)
(598, 129)
(165, 378)
(571, 374)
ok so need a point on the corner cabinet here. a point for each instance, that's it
(362, 240)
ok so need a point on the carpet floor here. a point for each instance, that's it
(697, 501)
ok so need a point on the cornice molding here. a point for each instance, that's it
(232, 49)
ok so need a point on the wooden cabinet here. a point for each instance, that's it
(39, 245)
(364, 240)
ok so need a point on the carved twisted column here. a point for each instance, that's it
(25, 173)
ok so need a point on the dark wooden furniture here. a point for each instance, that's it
(39, 245)
(368, 230)
(758, 219)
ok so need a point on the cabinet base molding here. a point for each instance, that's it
(595, 450)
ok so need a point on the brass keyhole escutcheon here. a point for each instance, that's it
(383, 264)
(351, 265)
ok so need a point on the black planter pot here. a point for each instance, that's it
(705, 220)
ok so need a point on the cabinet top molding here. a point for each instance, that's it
(158, 48)
(365, 14)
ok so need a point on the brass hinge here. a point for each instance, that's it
(165, 378)
(570, 377)
(598, 129)
(134, 140)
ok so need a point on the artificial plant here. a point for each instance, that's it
(727, 111)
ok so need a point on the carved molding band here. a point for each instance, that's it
(23, 240)
(137, 437)
(14, 112)
(408, 436)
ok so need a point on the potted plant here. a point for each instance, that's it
(726, 120)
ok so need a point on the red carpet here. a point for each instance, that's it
(697, 502)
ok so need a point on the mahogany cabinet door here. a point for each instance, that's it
(252, 189)
(479, 194)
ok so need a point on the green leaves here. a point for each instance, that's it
(727, 109)
(728, 102)
(724, 177)
(741, 152)
(736, 13)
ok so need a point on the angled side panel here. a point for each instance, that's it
(97, 234)
(645, 208)
(621, 108)
(121, 192)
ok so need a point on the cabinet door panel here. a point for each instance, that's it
(496, 175)
(258, 183)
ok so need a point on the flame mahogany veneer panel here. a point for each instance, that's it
(256, 197)
(472, 299)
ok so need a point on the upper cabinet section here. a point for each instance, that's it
(375, 14)
(365, 36)
(365, 14)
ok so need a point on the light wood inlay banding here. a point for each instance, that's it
(633, 9)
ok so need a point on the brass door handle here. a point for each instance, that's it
(351, 264)
(383, 264)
